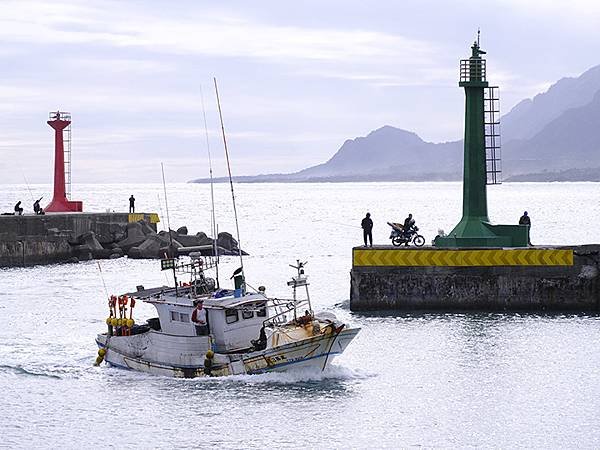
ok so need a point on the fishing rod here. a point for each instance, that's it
(230, 179)
(27, 184)
(102, 278)
(336, 223)
(213, 221)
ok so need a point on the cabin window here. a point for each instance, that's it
(231, 316)
(247, 314)
(262, 312)
(179, 317)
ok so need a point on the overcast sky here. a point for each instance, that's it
(296, 79)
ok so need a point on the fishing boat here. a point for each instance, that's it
(249, 332)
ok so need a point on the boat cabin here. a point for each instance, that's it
(232, 321)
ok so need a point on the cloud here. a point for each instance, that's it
(207, 33)
(293, 86)
(120, 65)
(425, 75)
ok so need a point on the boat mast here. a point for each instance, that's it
(213, 224)
(171, 248)
(237, 227)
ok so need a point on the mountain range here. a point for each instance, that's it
(552, 137)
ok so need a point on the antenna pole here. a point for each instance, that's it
(230, 178)
(213, 221)
(162, 168)
(160, 208)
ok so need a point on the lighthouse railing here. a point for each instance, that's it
(472, 69)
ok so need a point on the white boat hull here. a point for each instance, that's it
(183, 356)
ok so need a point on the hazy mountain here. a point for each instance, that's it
(530, 116)
(571, 141)
(386, 154)
(388, 150)
(555, 131)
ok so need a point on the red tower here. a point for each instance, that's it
(60, 203)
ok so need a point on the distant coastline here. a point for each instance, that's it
(290, 178)
(569, 175)
(592, 174)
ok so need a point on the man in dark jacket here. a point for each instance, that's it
(408, 223)
(132, 204)
(525, 220)
(18, 209)
(37, 209)
(367, 226)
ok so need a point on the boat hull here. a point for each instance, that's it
(131, 352)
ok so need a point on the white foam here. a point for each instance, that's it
(333, 372)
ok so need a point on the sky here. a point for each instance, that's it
(296, 79)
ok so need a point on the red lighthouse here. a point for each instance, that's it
(60, 203)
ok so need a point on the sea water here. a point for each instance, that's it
(409, 379)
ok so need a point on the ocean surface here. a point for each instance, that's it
(408, 380)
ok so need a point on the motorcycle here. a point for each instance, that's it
(399, 237)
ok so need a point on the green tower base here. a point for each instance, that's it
(478, 232)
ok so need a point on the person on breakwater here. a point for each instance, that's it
(37, 209)
(408, 223)
(18, 209)
(525, 220)
(132, 204)
(367, 226)
(199, 319)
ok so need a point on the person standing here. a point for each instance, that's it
(525, 220)
(199, 319)
(367, 226)
(18, 209)
(132, 204)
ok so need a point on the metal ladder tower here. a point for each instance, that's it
(491, 121)
(67, 143)
(481, 163)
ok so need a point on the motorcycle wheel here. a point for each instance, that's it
(419, 240)
(397, 241)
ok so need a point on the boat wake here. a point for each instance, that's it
(19, 370)
(345, 304)
(332, 373)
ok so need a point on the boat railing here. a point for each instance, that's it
(282, 307)
(198, 283)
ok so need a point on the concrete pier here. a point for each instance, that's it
(43, 239)
(534, 278)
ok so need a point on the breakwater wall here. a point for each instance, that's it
(565, 278)
(56, 237)
(53, 238)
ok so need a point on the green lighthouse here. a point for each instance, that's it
(480, 165)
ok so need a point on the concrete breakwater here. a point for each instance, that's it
(52, 238)
(541, 278)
